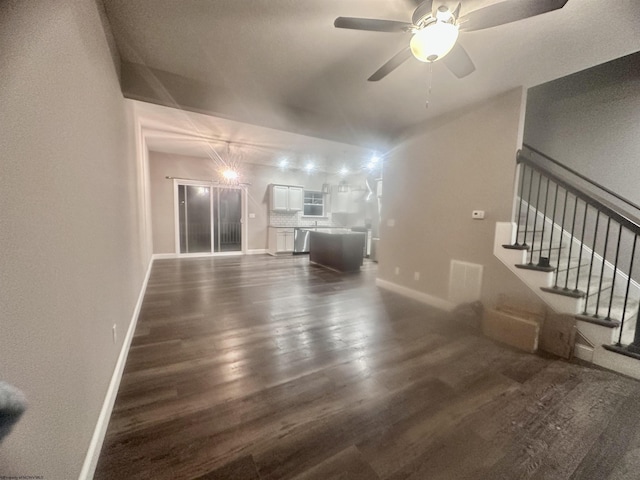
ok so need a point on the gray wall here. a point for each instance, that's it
(589, 122)
(70, 262)
(433, 181)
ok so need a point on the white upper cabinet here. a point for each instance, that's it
(279, 198)
(286, 198)
(347, 200)
(339, 200)
(296, 199)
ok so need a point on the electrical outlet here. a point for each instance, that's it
(252, 215)
(416, 276)
(397, 270)
(477, 214)
(114, 333)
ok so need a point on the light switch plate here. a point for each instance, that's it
(477, 214)
(252, 215)
(391, 222)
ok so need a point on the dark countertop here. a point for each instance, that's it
(331, 230)
(335, 231)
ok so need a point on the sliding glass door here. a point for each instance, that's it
(209, 219)
(228, 220)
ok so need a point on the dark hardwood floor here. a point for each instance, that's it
(269, 368)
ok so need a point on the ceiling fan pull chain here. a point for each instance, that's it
(426, 105)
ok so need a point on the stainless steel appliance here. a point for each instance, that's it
(300, 240)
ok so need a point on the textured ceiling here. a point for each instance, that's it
(282, 64)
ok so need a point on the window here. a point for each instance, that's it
(313, 204)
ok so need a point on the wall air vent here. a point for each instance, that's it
(465, 282)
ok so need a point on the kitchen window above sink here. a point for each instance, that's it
(313, 204)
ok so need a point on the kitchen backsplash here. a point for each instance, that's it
(295, 219)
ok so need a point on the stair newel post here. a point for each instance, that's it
(522, 174)
(526, 222)
(573, 227)
(564, 215)
(545, 263)
(615, 272)
(535, 221)
(626, 293)
(604, 259)
(593, 252)
(553, 220)
(584, 225)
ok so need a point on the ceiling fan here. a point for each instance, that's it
(435, 30)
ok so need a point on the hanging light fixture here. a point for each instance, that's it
(230, 175)
(436, 37)
(434, 41)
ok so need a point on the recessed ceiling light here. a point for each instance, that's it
(309, 167)
(283, 164)
(373, 163)
(344, 171)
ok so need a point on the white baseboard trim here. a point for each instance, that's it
(93, 453)
(161, 256)
(415, 295)
(257, 251)
(583, 352)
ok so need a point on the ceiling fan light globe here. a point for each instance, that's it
(434, 41)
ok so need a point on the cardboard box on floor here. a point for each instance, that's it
(511, 328)
(529, 327)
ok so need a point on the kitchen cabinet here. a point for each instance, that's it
(280, 240)
(284, 241)
(346, 202)
(287, 198)
(296, 199)
(339, 200)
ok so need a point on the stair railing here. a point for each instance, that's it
(594, 232)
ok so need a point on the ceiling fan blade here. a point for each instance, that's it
(397, 60)
(459, 62)
(456, 12)
(507, 12)
(371, 24)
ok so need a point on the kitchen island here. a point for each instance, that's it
(338, 249)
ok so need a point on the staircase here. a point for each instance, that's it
(573, 242)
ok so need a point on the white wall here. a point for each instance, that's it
(432, 182)
(70, 260)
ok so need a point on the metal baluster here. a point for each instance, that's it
(526, 222)
(535, 222)
(545, 263)
(553, 220)
(573, 227)
(626, 295)
(604, 257)
(522, 174)
(593, 252)
(564, 214)
(615, 272)
(584, 225)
